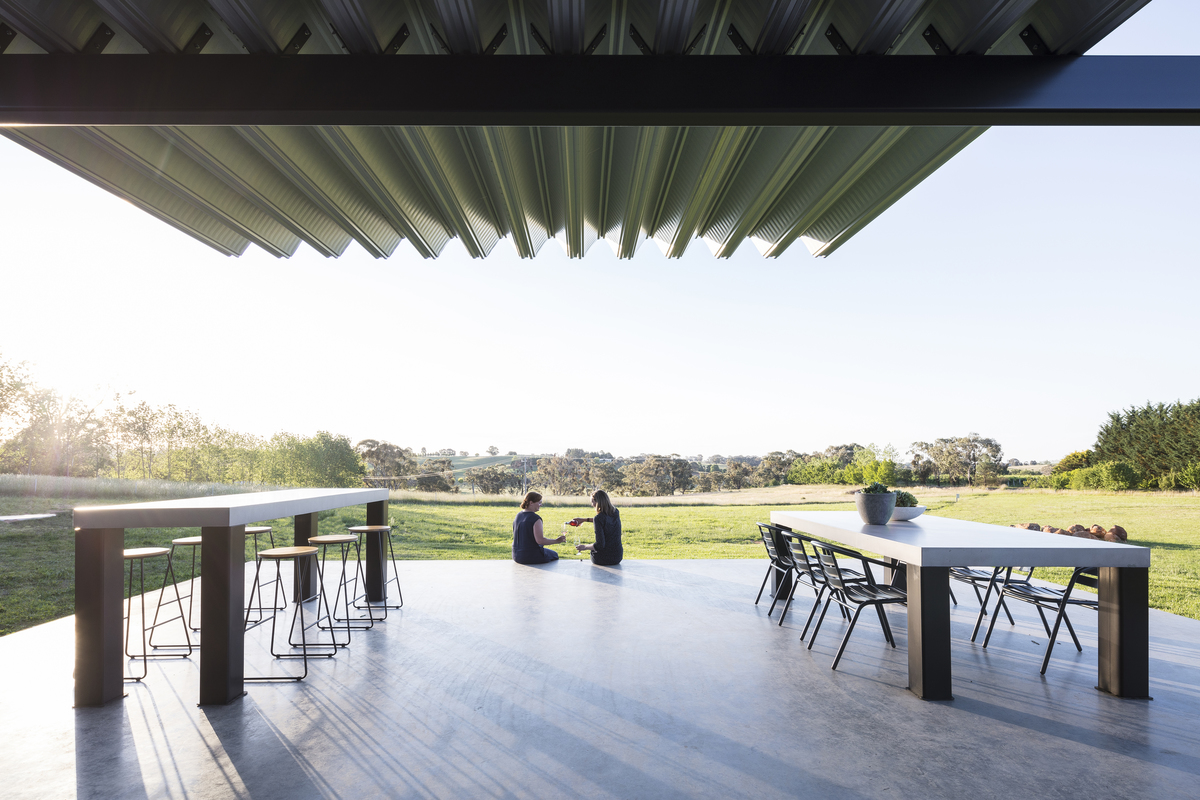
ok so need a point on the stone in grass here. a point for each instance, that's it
(1029, 526)
(1077, 529)
(1112, 537)
(1082, 535)
(1052, 529)
(1097, 531)
(1119, 532)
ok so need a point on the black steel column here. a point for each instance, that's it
(376, 566)
(1124, 631)
(304, 583)
(222, 614)
(929, 632)
(99, 573)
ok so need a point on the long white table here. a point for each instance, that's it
(99, 569)
(931, 545)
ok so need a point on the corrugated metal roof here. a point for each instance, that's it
(327, 185)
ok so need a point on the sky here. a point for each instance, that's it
(1041, 279)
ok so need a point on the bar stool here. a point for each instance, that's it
(139, 555)
(300, 559)
(171, 577)
(386, 530)
(344, 542)
(258, 530)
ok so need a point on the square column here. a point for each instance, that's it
(222, 614)
(99, 610)
(304, 583)
(1124, 632)
(376, 566)
(929, 632)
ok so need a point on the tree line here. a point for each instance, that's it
(44, 433)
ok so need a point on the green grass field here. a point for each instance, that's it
(37, 557)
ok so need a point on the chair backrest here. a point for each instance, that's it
(800, 556)
(1087, 576)
(827, 560)
(768, 537)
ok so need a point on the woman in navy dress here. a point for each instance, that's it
(528, 540)
(607, 551)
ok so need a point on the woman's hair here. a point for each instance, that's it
(531, 498)
(602, 503)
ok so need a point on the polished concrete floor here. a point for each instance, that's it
(655, 679)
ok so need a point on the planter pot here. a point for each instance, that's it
(875, 509)
(912, 512)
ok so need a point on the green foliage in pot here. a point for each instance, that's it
(906, 500)
(875, 488)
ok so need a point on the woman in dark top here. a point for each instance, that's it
(607, 551)
(527, 534)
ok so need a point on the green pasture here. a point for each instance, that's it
(37, 556)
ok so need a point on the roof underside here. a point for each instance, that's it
(230, 186)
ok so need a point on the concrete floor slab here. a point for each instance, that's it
(653, 679)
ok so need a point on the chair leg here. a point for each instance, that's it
(1050, 644)
(846, 638)
(992, 622)
(820, 619)
(791, 594)
(776, 594)
(1070, 628)
(883, 622)
(764, 583)
(953, 599)
(1045, 624)
(812, 612)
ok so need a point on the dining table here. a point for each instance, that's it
(926, 547)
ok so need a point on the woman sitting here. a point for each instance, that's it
(607, 551)
(528, 541)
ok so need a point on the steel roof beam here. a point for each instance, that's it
(520, 90)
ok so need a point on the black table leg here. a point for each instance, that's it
(222, 614)
(1124, 631)
(929, 632)
(304, 582)
(99, 601)
(376, 567)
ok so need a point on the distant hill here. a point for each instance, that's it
(464, 463)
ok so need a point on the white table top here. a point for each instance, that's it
(930, 541)
(223, 511)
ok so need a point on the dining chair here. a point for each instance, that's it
(808, 571)
(1051, 598)
(852, 595)
(780, 563)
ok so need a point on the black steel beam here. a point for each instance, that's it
(666, 90)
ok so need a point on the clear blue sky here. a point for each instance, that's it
(1041, 279)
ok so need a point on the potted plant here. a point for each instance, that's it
(875, 504)
(906, 507)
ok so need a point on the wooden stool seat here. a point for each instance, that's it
(334, 538)
(251, 530)
(368, 528)
(288, 552)
(189, 541)
(145, 552)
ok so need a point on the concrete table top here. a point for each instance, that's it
(223, 510)
(929, 541)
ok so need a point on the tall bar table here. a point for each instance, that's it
(99, 542)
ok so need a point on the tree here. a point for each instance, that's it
(562, 476)
(773, 469)
(973, 448)
(463, 453)
(496, 479)
(384, 459)
(1077, 460)
(606, 475)
(437, 475)
(575, 452)
(493, 451)
(736, 474)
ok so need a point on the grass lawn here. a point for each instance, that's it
(37, 556)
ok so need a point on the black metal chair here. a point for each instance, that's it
(385, 543)
(139, 555)
(346, 586)
(781, 564)
(1048, 598)
(975, 577)
(808, 571)
(853, 595)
